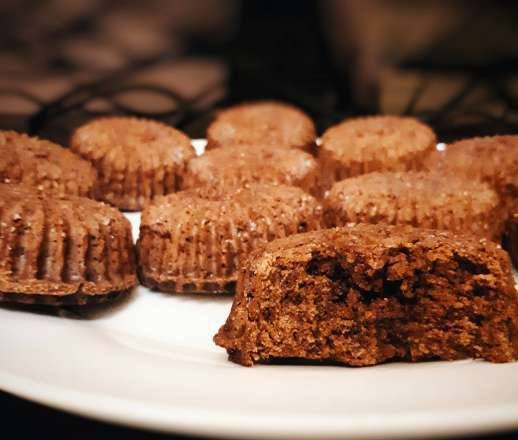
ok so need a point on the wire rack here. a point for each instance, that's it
(484, 101)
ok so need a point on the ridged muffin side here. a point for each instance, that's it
(62, 250)
(191, 242)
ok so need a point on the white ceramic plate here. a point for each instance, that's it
(150, 362)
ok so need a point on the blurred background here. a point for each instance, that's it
(453, 64)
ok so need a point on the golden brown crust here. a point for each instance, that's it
(232, 167)
(422, 199)
(492, 159)
(511, 233)
(191, 242)
(136, 159)
(43, 165)
(376, 143)
(262, 123)
(65, 248)
(371, 293)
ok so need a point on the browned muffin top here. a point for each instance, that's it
(424, 199)
(136, 159)
(510, 240)
(38, 163)
(228, 167)
(513, 211)
(134, 142)
(16, 198)
(385, 138)
(241, 206)
(262, 123)
(493, 159)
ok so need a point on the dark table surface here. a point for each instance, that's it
(31, 420)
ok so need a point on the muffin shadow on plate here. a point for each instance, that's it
(91, 310)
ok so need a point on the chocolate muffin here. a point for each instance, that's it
(43, 165)
(230, 167)
(377, 143)
(262, 123)
(136, 159)
(62, 250)
(511, 233)
(429, 200)
(191, 242)
(491, 159)
(372, 293)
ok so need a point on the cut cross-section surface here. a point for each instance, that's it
(368, 294)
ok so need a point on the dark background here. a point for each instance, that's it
(452, 64)
(23, 419)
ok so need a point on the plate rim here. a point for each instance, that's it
(170, 419)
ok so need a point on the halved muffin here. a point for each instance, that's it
(368, 294)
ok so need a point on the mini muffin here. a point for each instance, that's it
(262, 123)
(136, 159)
(228, 167)
(492, 159)
(422, 199)
(378, 143)
(43, 165)
(368, 294)
(62, 250)
(511, 233)
(192, 242)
